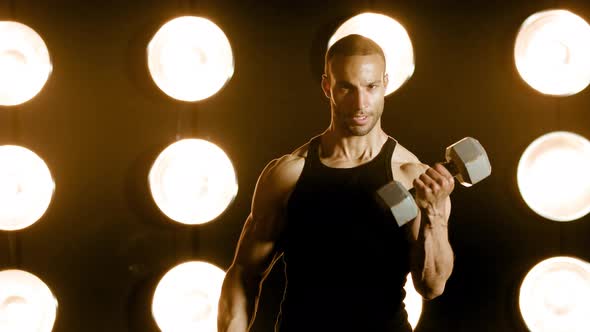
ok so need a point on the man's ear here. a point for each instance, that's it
(326, 85)
(385, 80)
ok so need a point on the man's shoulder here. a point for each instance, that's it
(405, 164)
(401, 155)
(287, 168)
(287, 164)
(293, 160)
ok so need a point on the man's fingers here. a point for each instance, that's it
(442, 177)
(420, 185)
(443, 171)
(429, 181)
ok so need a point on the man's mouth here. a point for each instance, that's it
(360, 119)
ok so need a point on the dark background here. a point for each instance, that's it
(100, 122)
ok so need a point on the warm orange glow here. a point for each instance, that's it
(193, 181)
(26, 303)
(553, 176)
(26, 187)
(552, 52)
(413, 302)
(393, 39)
(186, 298)
(190, 58)
(24, 63)
(554, 296)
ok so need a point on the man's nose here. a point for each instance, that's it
(361, 100)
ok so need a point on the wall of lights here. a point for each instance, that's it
(193, 181)
(26, 184)
(552, 54)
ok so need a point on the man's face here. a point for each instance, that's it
(355, 86)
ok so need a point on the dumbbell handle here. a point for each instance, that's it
(400, 201)
(466, 160)
(450, 166)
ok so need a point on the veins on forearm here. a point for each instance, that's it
(433, 255)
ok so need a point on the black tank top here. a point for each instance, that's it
(346, 260)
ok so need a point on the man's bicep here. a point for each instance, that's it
(257, 247)
(256, 251)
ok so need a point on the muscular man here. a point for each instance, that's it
(346, 260)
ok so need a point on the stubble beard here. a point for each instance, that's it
(350, 129)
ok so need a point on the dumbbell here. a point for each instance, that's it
(466, 160)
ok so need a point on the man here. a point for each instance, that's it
(346, 260)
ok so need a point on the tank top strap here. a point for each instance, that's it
(313, 152)
(386, 155)
(312, 161)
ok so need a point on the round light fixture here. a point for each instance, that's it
(26, 187)
(186, 298)
(26, 303)
(553, 177)
(554, 296)
(393, 39)
(193, 181)
(552, 52)
(24, 63)
(190, 58)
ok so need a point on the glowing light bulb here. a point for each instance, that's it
(26, 187)
(186, 298)
(193, 181)
(412, 302)
(24, 63)
(393, 39)
(190, 58)
(26, 303)
(552, 52)
(553, 177)
(554, 296)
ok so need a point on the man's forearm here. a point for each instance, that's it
(432, 255)
(237, 303)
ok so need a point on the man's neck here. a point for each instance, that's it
(354, 148)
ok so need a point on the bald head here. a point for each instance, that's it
(353, 45)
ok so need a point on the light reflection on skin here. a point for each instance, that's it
(356, 99)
